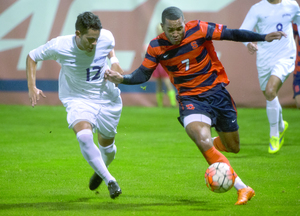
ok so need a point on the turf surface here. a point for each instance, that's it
(160, 170)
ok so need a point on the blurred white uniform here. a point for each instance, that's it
(82, 88)
(276, 57)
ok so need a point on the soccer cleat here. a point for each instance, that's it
(281, 134)
(114, 189)
(244, 195)
(274, 145)
(95, 181)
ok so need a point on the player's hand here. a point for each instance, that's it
(34, 95)
(275, 36)
(252, 48)
(113, 76)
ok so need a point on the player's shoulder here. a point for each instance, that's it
(65, 39)
(106, 34)
(193, 23)
(159, 41)
(293, 2)
(60, 42)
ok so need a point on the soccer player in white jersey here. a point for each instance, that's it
(92, 103)
(275, 60)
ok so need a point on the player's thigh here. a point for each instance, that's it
(80, 114)
(200, 133)
(82, 125)
(283, 68)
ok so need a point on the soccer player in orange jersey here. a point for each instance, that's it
(161, 76)
(187, 53)
(296, 81)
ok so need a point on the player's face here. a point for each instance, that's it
(174, 30)
(87, 41)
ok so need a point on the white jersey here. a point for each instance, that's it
(265, 18)
(81, 74)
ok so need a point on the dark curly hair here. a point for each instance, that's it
(87, 20)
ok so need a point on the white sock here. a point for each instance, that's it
(108, 153)
(92, 155)
(281, 123)
(273, 116)
(238, 184)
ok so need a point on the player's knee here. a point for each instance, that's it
(270, 94)
(204, 144)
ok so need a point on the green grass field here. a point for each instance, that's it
(160, 170)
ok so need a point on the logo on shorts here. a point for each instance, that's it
(190, 106)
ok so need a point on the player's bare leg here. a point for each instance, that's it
(108, 151)
(93, 156)
(274, 113)
(230, 142)
(200, 133)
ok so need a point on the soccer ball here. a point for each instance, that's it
(219, 177)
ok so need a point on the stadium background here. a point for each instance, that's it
(26, 24)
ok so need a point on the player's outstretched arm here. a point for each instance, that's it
(243, 35)
(140, 75)
(33, 92)
(275, 36)
(115, 66)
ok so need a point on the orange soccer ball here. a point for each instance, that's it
(219, 177)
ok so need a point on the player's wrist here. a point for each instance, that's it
(114, 60)
(122, 79)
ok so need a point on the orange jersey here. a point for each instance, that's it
(193, 66)
(297, 63)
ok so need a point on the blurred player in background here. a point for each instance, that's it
(187, 53)
(161, 76)
(92, 104)
(296, 82)
(276, 60)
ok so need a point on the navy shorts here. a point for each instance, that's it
(219, 107)
(296, 84)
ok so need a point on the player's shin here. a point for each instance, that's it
(92, 155)
(212, 155)
(108, 153)
(218, 144)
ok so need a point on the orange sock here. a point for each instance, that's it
(219, 145)
(212, 155)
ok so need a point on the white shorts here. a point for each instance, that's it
(282, 69)
(104, 117)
